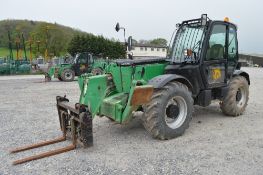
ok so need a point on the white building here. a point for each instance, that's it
(147, 50)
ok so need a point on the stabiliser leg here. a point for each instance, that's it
(69, 121)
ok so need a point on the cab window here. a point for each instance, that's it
(232, 46)
(217, 42)
(82, 59)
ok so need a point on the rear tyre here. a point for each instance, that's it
(97, 71)
(235, 102)
(68, 75)
(169, 112)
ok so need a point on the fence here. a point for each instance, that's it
(10, 67)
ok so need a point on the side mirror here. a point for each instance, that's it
(117, 27)
(129, 43)
(203, 19)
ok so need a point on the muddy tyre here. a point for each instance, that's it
(68, 75)
(235, 102)
(169, 112)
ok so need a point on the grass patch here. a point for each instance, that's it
(4, 52)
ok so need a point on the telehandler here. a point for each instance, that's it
(202, 66)
(82, 63)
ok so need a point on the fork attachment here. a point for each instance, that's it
(75, 122)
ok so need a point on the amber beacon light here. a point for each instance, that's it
(226, 19)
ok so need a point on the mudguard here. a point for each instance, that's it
(162, 80)
(242, 73)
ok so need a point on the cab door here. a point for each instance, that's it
(215, 58)
(232, 50)
(82, 64)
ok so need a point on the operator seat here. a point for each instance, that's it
(215, 52)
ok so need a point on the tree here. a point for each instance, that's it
(97, 45)
(159, 41)
(35, 35)
(51, 37)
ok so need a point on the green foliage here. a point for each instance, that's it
(159, 41)
(5, 53)
(97, 45)
(53, 36)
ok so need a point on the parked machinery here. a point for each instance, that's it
(81, 64)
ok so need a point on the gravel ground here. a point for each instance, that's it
(214, 143)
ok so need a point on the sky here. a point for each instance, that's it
(143, 19)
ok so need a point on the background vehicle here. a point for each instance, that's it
(82, 63)
(202, 66)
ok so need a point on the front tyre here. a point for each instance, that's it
(235, 102)
(68, 75)
(169, 112)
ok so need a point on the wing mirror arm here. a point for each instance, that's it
(118, 28)
(128, 43)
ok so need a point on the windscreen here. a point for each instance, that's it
(188, 37)
(76, 58)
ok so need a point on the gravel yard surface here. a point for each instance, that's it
(213, 144)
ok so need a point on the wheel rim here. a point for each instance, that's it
(175, 112)
(241, 96)
(68, 75)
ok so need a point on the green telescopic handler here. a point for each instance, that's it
(202, 66)
(82, 63)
